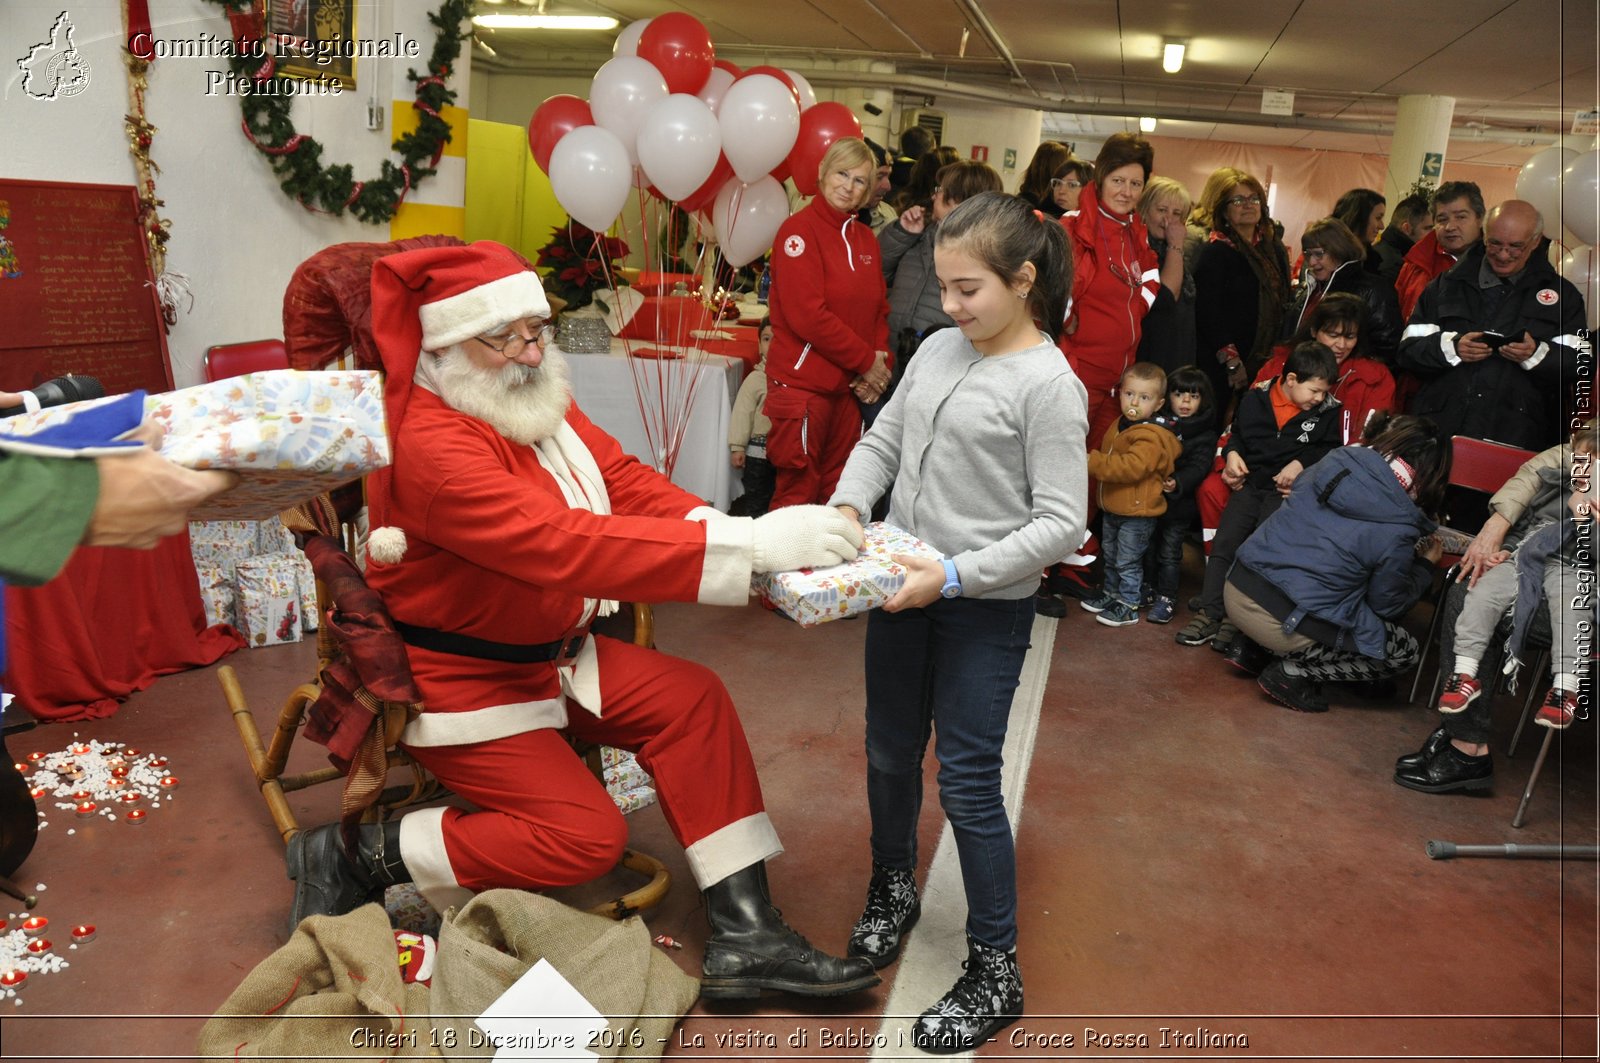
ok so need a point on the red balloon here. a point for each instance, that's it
(820, 125)
(678, 45)
(702, 197)
(780, 172)
(555, 118)
(780, 75)
(729, 67)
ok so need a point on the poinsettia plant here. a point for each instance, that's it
(578, 261)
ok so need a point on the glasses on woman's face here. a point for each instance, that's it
(1068, 184)
(1243, 201)
(509, 346)
(1315, 253)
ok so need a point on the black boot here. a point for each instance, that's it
(893, 907)
(1436, 741)
(988, 997)
(327, 882)
(752, 949)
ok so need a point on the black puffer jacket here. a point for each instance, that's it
(1383, 308)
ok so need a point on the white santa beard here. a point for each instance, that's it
(524, 403)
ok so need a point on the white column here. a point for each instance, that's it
(1421, 136)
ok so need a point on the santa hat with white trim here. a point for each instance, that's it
(430, 299)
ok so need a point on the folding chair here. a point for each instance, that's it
(237, 359)
(1475, 465)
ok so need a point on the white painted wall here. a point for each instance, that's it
(992, 125)
(235, 233)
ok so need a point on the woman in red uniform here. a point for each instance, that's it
(1116, 274)
(830, 325)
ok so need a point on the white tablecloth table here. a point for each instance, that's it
(692, 396)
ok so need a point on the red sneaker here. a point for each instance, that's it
(1560, 708)
(1460, 690)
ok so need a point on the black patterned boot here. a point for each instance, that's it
(987, 998)
(892, 908)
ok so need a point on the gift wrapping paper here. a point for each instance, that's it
(269, 600)
(290, 435)
(812, 596)
(218, 594)
(629, 785)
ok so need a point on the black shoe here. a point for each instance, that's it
(1411, 761)
(327, 882)
(988, 997)
(1227, 631)
(1298, 692)
(1245, 654)
(1049, 605)
(893, 907)
(1449, 770)
(752, 948)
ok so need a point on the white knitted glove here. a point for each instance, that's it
(803, 537)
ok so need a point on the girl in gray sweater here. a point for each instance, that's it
(983, 444)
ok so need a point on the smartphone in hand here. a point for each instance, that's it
(1493, 340)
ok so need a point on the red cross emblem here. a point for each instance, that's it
(1547, 296)
(794, 247)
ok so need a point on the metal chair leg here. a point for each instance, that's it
(1538, 766)
(1527, 706)
(1433, 631)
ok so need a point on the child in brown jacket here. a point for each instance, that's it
(1134, 458)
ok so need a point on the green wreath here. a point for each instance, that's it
(297, 158)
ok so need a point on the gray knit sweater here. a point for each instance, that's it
(987, 460)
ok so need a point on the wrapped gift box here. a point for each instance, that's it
(218, 593)
(629, 785)
(814, 596)
(290, 435)
(633, 800)
(269, 600)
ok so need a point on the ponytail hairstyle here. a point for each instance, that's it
(1002, 232)
(1420, 444)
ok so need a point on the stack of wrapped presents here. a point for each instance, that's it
(253, 577)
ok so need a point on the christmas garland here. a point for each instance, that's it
(297, 158)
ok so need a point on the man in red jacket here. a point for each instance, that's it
(830, 324)
(1457, 208)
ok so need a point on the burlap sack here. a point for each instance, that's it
(333, 992)
(491, 942)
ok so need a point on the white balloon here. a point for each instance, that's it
(715, 88)
(628, 40)
(808, 96)
(759, 122)
(679, 145)
(747, 216)
(1581, 266)
(1539, 182)
(621, 95)
(591, 175)
(1580, 197)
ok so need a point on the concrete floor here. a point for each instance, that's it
(1193, 859)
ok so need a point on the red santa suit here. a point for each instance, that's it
(830, 317)
(509, 548)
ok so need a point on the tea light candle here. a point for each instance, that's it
(132, 797)
(82, 795)
(36, 757)
(158, 762)
(130, 753)
(22, 769)
(86, 808)
(134, 816)
(83, 934)
(39, 793)
(39, 945)
(119, 771)
(11, 979)
(80, 749)
(34, 925)
(168, 782)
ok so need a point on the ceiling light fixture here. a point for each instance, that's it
(484, 45)
(1147, 124)
(545, 22)
(1172, 56)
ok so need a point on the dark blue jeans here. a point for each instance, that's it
(949, 669)
(1166, 560)
(1124, 541)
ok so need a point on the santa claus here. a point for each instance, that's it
(505, 525)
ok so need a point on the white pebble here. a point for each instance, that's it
(41, 887)
(71, 831)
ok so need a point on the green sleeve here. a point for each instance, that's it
(45, 506)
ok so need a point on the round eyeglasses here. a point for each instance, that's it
(542, 335)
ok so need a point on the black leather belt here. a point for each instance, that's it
(562, 649)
